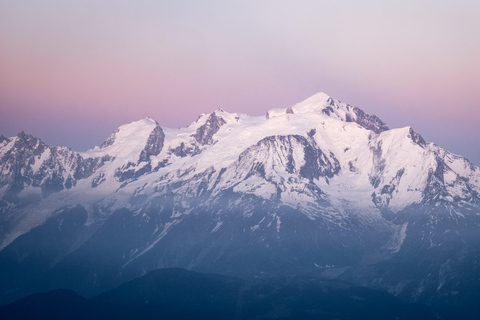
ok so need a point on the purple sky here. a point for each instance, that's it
(73, 71)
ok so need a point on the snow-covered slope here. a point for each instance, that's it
(320, 168)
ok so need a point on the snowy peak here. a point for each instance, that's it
(315, 103)
(321, 103)
(136, 130)
(130, 150)
(217, 118)
(201, 134)
(282, 168)
(31, 169)
(129, 140)
(347, 113)
(204, 133)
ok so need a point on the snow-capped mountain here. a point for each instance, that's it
(319, 188)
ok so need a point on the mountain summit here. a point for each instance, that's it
(320, 188)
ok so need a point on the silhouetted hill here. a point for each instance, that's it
(179, 294)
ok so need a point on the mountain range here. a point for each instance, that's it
(320, 189)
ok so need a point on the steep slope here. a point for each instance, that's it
(320, 188)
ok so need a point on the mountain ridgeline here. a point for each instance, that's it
(320, 189)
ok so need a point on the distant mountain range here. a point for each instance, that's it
(320, 189)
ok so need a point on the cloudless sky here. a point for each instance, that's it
(73, 71)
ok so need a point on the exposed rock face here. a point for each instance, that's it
(27, 161)
(204, 134)
(110, 140)
(369, 122)
(154, 144)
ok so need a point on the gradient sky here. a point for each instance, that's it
(73, 71)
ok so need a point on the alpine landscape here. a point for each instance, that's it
(319, 194)
(239, 160)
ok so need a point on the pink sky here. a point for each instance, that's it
(71, 72)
